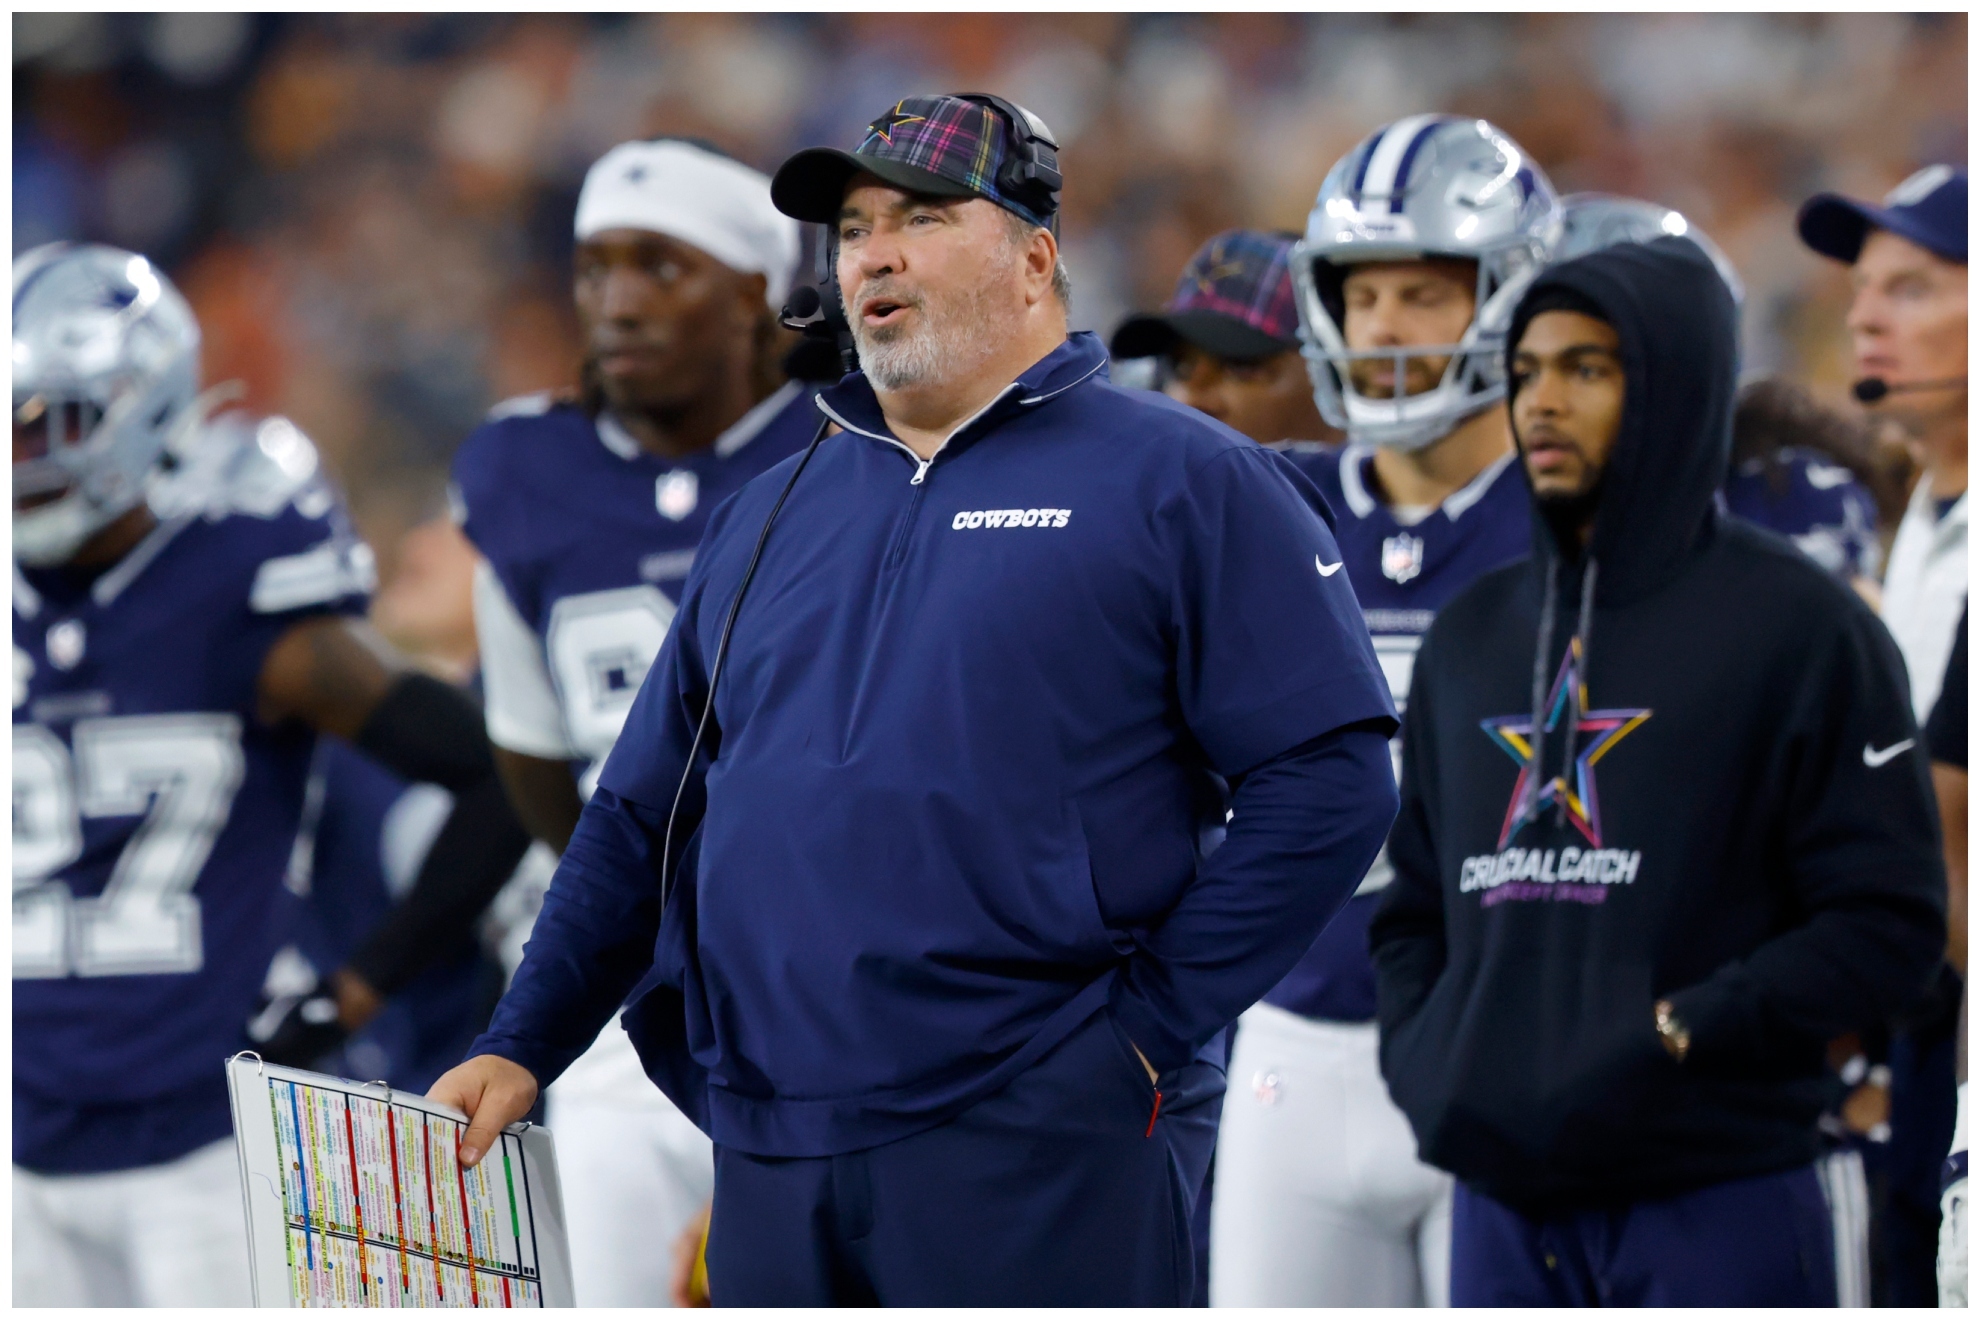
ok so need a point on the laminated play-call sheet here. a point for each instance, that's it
(355, 1198)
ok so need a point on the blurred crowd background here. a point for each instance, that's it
(372, 213)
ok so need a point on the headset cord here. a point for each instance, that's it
(721, 655)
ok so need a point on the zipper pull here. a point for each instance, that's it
(920, 470)
(1153, 1114)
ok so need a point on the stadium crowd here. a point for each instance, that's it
(371, 213)
(372, 223)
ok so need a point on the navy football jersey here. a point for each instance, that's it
(1402, 575)
(1815, 503)
(589, 538)
(154, 814)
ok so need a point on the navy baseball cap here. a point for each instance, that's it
(940, 146)
(1929, 208)
(1235, 300)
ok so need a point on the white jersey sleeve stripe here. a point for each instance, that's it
(316, 576)
(524, 714)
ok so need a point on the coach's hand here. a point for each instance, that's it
(492, 1092)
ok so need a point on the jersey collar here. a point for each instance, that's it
(614, 436)
(751, 424)
(111, 585)
(1459, 502)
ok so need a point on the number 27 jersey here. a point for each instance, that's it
(154, 814)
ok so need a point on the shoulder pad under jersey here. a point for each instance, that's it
(524, 405)
(237, 464)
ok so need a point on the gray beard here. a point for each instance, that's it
(955, 338)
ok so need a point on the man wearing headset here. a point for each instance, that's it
(942, 970)
(1907, 325)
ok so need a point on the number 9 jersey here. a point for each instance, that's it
(586, 540)
(154, 813)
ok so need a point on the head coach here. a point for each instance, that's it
(943, 966)
(1665, 832)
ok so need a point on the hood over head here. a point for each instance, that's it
(1678, 332)
(1676, 327)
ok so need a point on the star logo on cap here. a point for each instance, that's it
(1219, 268)
(883, 127)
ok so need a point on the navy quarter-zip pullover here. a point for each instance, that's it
(974, 713)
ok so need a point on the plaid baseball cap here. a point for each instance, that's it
(1929, 208)
(942, 146)
(1235, 300)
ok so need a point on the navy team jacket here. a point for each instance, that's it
(974, 713)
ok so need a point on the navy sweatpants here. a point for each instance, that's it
(1761, 1241)
(1052, 1192)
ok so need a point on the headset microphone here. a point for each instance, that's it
(820, 314)
(805, 304)
(1874, 389)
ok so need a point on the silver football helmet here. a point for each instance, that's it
(106, 369)
(1426, 186)
(1592, 221)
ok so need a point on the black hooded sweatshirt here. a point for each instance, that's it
(1746, 826)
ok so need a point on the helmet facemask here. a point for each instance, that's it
(1423, 188)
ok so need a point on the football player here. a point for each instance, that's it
(1420, 241)
(587, 514)
(1794, 471)
(178, 645)
(366, 833)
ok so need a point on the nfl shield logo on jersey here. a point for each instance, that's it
(1402, 557)
(676, 494)
(65, 644)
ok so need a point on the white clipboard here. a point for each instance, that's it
(355, 1198)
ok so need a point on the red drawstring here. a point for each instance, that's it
(1153, 1115)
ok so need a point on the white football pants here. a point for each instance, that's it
(167, 1235)
(1320, 1199)
(635, 1173)
(1846, 1188)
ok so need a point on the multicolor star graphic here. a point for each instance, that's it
(883, 127)
(1603, 729)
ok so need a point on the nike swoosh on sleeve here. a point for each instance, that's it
(1328, 570)
(1874, 758)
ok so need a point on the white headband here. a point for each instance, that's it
(719, 205)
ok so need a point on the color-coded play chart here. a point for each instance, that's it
(355, 1198)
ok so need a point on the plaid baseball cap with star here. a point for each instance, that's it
(1234, 300)
(942, 146)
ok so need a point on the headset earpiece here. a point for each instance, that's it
(1030, 171)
